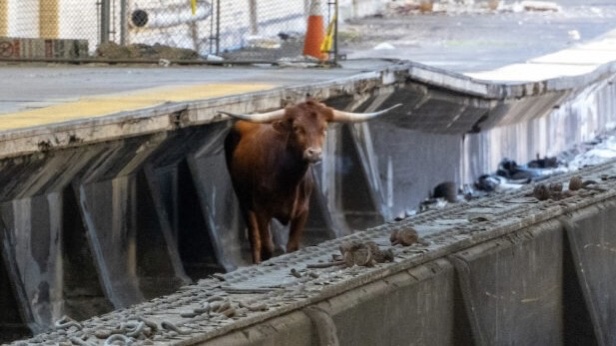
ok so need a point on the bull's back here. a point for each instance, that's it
(246, 146)
(252, 151)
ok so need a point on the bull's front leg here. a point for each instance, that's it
(267, 243)
(296, 229)
(261, 242)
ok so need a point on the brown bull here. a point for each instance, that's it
(268, 156)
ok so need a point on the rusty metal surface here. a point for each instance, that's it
(249, 295)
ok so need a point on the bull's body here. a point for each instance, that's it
(270, 181)
(269, 165)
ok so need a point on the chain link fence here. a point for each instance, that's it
(238, 30)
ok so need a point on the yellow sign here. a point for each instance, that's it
(193, 6)
(328, 42)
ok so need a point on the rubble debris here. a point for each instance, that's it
(325, 264)
(357, 253)
(406, 237)
(295, 273)
(575, 183)
(66, 322)
(555, 192)
(541, 192)
(251, 306)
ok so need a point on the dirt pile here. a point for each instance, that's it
(114, 51)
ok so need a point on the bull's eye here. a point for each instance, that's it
(298, 130)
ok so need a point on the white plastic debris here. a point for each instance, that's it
(540, 6)
(384, 46)
(256, 41)
(212, 57)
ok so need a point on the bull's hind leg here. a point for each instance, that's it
(254, 237)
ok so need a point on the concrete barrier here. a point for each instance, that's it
(512, 287)
(591, 239)
(31, 48)
(515, 288)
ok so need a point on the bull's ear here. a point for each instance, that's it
(281, 125)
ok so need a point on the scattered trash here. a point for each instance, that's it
(512, 176)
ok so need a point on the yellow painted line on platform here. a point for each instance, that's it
(97, 106)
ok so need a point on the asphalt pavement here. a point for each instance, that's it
(471, 40)
(460, 42)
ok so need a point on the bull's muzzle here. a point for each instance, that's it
(313, 155)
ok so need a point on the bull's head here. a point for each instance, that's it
(306, 124)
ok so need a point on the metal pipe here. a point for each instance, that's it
(252, 7)
(211, 37)
(169, 16)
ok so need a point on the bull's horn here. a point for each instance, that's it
(257, 117)
(342, 116)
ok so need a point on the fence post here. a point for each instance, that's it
(217, 27)
(123, 22)
(337, 18)
(105, 20)
(49, 19)
(4, 18)
(252, 7)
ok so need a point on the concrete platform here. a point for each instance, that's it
(578, 60)
(43, 95)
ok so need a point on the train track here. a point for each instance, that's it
(224, 303)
